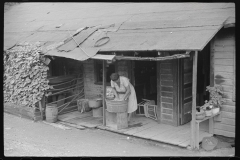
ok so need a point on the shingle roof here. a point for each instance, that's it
(139, 26)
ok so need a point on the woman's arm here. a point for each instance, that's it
(127, 94)
(115, 93)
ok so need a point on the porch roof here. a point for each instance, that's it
(129, 26)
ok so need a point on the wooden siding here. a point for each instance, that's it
(93, 90)
(224, 50)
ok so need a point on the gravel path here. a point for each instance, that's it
(23, 137)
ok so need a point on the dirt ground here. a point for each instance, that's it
(23, 137)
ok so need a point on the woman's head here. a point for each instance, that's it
(114, 76)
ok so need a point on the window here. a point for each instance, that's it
(110, 68)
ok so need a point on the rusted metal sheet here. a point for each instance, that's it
(48, 17)
(11, 39)
(54, 36)
(170, 39)
(125, 40)
(80, 54)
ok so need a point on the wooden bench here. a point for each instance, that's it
(210, 126)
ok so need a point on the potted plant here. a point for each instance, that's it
(200, 114)
(207, 107)
(216, 97)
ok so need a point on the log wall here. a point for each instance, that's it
(223, 50)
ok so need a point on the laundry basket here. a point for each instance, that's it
(116, 106)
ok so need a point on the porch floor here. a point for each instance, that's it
(139, 126)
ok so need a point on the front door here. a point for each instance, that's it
(185, 90)
(168, 92)
(175, 91)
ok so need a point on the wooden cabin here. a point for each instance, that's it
(170, 52)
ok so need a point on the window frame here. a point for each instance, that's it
(96, 74)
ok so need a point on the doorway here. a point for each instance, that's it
(203, 75)
(145, 73)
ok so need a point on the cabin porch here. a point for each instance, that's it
(139, 126)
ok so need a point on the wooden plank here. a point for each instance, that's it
(90, 122)
(187, 78)
(72, 125)
(227, 95)
(166, 99)
(168, 111)
(75, 114)
(166, 77)
(224, 127)
(194, 93)
(224, 133)
(187, 100)
(166, 83)
(139, 129)
(227, 82)
(187, 107)
(223, 75)
(167, 116)
(220, 68)
(223, 55)
(167, 105)
(228, 121)
(224, 48)
(166, 71)
(167, 94)
(234, 75)
(167, 89)
(166, 66)
(225, 42)
(69, 110)
(150, 132)
(187, 92)
(79, 120)
(136, 122)
(228, 108)
(224, 62)
(229, 102)
(227, 88)
(228, 115)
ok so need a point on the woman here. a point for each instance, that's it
(123, 90)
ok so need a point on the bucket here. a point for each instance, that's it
(116, 106)
(51, 113)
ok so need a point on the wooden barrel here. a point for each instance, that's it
(51, 113)
(116, 106)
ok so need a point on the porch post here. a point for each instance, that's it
(104, 93)
(194, 93)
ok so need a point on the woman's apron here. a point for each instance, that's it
(132, 99)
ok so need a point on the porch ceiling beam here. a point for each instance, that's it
(194, 92)
(176, 56)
